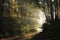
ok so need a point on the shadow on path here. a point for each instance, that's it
(50, 32)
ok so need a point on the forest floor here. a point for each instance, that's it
(23, 37)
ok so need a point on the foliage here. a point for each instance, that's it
(20, 18)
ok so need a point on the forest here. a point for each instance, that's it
(29, 19)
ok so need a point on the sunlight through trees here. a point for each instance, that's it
(19, 17)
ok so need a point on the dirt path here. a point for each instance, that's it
(23, 37)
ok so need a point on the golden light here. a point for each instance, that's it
(41, 20)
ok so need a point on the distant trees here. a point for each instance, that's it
(51, 8)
